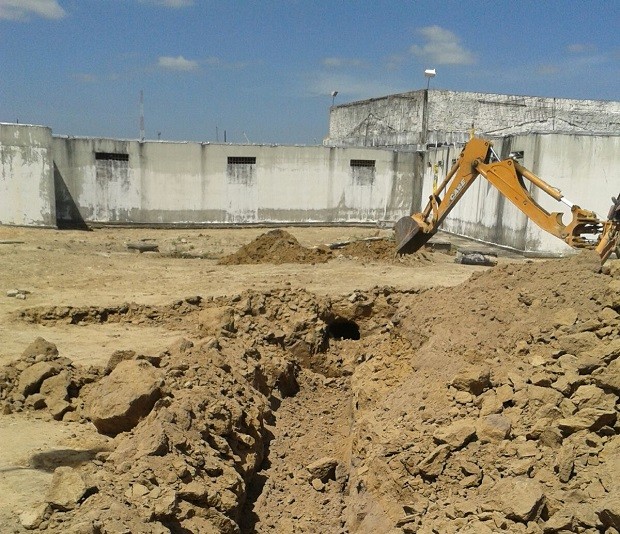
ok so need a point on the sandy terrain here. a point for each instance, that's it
(346, 363)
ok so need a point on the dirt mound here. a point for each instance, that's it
(275, 246)
(490, 406)
(383, 250)
(502, 414)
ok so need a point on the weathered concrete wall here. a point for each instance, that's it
(394, 120)
(585, 168)
(193, 183)
(447, 117)
(26, 179)
(49, 180)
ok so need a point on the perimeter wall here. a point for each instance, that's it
(131, 182)
(66, 181)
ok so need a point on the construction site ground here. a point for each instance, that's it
(337, 389)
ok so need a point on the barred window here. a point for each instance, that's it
(115, 156)
(363, 163)
(363, 171)
(241, 170)
(241, 160)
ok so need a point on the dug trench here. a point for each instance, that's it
(489, 406)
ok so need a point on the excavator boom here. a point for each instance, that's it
(585, 230)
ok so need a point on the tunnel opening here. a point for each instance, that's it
(343, 329)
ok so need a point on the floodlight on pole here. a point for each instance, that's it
(334, 94)
(429, 73)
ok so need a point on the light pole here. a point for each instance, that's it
(429, 73)
(334, 94)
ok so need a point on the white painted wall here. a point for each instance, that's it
(26, 179)
(176, 183)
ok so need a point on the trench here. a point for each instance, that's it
(308, 423)
(313, 424)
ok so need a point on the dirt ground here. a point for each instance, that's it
(329, 388)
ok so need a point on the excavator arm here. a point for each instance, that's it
(585, 230)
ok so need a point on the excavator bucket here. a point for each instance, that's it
(409, 236)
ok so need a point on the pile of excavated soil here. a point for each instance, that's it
(385, 250)
(502, 415)
(276, 246)
(486, 407)
(279, 246)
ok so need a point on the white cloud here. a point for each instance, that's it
(442, 47)
(216, 62)
(22, 9)
(84, 77)
(176, 63)
(341, 62)
(580, 48)
(175, 4)
(322, 84)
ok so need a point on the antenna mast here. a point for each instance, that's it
(141, 115)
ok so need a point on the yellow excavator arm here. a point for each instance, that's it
(585, 231)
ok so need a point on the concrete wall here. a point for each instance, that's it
(48, 180)
(418, 118)
(193, 183)
(26, 180)
(585, 168)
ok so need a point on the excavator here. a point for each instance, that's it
(585, 231)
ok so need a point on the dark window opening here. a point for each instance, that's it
(362, 163)
(343, 329)
(241, 160)
(112, 156)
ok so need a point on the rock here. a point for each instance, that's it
(58, 408)
(120, 400)
(195, 491)
(117, 357)
(520, 499)
(147, 440)
(504, 394)
(608, 511)
(490, 404)
(433, 465)
(605, 352)
(317, 484)
(579, 342)
(564, 462)
(609, 379)
(40, 347)
(213, 321)
(31, 519)
(587, 419)
(550, 437)
(561, 521)
(32, 377)
(474, 381)
(593, 397)
(565, 317)
(324, 468)
(493, 428)
(36, 401)
(457, 434)
(66, 489)
(56, 387)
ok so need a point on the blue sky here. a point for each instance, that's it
(264, 70)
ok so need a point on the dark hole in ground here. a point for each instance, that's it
(343, 329)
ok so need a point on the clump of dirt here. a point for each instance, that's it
(490, 406)
(384, 250)
(276, 246)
